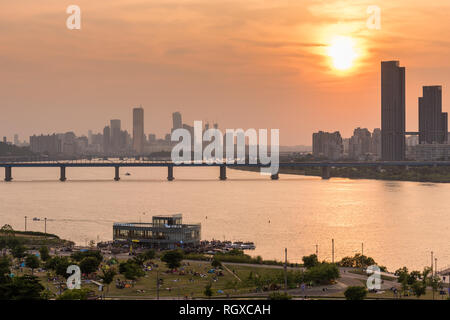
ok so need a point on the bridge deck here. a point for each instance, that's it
(204, 164)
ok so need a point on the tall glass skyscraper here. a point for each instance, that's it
(392, 111)
(138, 130)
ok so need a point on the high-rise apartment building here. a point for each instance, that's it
(432, 121)
(360, 143)
(328, 145)
(48, 144)
(392, 111)
(138, 130)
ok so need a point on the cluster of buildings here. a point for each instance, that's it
(363, 145)
(113, 141)
(392, 142)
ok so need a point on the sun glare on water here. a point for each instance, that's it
(342, 52)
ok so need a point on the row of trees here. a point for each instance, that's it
(417, 282)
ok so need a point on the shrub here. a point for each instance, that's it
(355, 293)
(279, 296)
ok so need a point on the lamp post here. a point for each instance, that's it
(25, 223)
(285, 271)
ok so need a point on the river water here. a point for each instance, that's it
(398, 222)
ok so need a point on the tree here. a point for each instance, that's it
(208, 291)
(21, 288)
(19, 251)
(131, 270)
(419, 288)
(89, 265)
(59, 265)
(31, 261)
(323, 273)
(355, 293)
(310, 261)
(80, 255)
(215, 263)
(45, 253)
(173, 259)
(357, 261)
(150, 254)
(140, 259)
(75, 294)
(5, 265)
(107, 276)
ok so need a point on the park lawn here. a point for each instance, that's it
(179, 286)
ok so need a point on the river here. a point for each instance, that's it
(400, 223)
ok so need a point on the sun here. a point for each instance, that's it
(342, 52)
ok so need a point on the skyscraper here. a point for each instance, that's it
(115, 135)
(392, 111)
(138, 130)
(177, 122)
(106, 140)
(432, 121)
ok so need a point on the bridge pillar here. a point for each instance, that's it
(326, 173)
(62, 176)
(8, 174)
(170, 173)
(117, 175)
(274, 176)
(223, 173)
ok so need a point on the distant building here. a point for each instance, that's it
(376, 143)
(16, 140)
(392, 111)
(165, 232)
(48, 144)
(360, 144)
(138, 130)
(106, 140)
(429, 152)
(68, 143)
(177, 121)
(115, 134)
(328, 145)
(433, 123)
(151, 138)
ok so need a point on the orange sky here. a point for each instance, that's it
(244, 63)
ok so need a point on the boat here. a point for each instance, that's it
(128, 174)
(36, 219)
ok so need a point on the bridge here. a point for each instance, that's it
(117, 164)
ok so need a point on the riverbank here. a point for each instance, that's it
(416, 174)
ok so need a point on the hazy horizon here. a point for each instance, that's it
(243, 64)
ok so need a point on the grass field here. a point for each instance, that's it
(191, 284)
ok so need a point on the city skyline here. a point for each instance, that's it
(265, 67)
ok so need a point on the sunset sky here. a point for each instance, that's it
(243, 63)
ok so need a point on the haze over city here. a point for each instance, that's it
(240, 63)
